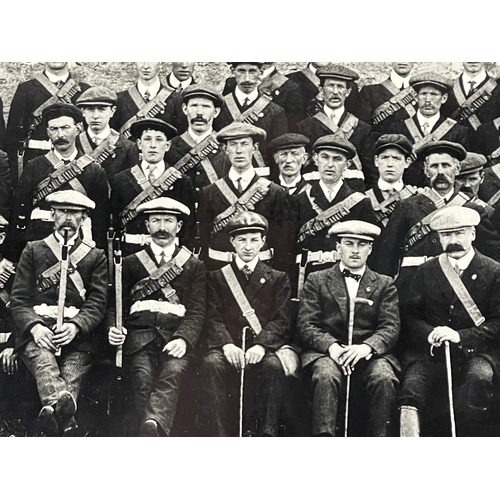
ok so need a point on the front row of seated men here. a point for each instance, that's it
(237, 319)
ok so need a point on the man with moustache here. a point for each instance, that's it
(453, 299)
(99, 140)
(26, 135)
(147, 98)
(198, 148)
(164, 310)
(34, 307)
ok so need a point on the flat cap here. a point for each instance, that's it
(338, 72)
(355, 229)
(139, 126)
(97, 96)
(73, 200)
(474, 162)
(59, 109)
(163, 205)
(336, 143)
(288, 141)
(247, 222)
(454, 218)
(452, 148)
(238, 130)
(234, 64)
(430, 78)
(398, 141)
(202, 90)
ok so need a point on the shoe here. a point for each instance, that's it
(65, 406)
(149, 428)
(71, 428)
(47, 422)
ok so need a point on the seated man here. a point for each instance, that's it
(327, 301)
(34, 308)
(245, 284)
(453, 298)
(164, 310)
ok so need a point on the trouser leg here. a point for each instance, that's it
(327, 381)
(162, 403)
(74, 365)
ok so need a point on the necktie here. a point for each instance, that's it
(246, 102)
(247, 272)
(387, 193)
(239, 186)
(59, 84)
(471, 88)
(347, 274)
(151, 176)
(97, 141)
(457, 269)
(162, 259)
(426, 128)
(147, 96)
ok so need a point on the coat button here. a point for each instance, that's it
(198, 173)
(434, 240)
(452, 306)
(160, 300)
(197, 189)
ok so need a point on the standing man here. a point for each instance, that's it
(64, 167)
(26, 135)
(455, 299)
(34, 306)
(164, 290)
(242, 189)
(336, 84)
(99, 140)
(429, 124)
(249, 105)
(150, 179)
(323, 331)
(243, 284)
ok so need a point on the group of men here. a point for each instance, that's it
(295, 249)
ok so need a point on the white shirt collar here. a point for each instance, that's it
(60, 239)
(246, 176)
(199, 138)
(241, 96)
(153, 89)
(158, 250)
(104, 134)
(158, 168)
(268, 71)
(252, 264)
(292, 184)
(431, 121)
(334, 114)
(359, 271)
(57, 78)
(175, 82)
(328, 189)
(312, 68)
(386, 186)
(399, 80)
(70, 158)
(477, 79)
(463, 262)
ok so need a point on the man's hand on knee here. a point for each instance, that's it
(442, 334)
(353, 353)
(255, 354)
(8, 361)
(234, 355)
(43, 337)
(176, 348)
(65, 334)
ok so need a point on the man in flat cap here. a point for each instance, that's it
(336, 84)
(196, 152)
(62, 168)
(284, 92)
(150, 179)
(429, 123)
(34, 307)
(147, 98)
(244, 284)
(454, 299)
(249, 105)
(391, 100)
(340, 337)
(242, 189)
(26, 135)
(324, 202)
(99, 140)
(164, 293)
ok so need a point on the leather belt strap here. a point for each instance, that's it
(229, 256)
(420, 140)
(386, 207)
(252, 114)
(414, 261)
(39, 214)
(4, 337)
(104, 150)
(46, 311)
(137, 239)
(198, 155)
(461, 291)
(402, 99)
(319, 257)
(157, 306)
(37, 144)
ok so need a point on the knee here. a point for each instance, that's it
(479, 371)
(271, 367)
(381, 375)
(213, 364)
(325, 372)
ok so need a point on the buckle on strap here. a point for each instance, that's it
(249, 313)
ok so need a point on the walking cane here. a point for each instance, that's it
(242, 378)
(450, 388)
(352, 305)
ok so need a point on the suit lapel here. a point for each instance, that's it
(336, 284)
(366, 286)
(259, 277)
(470, 275)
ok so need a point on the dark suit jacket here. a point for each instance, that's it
(36, 258)
(268, 292)
(22, 228)
(414, 174)
(490, 185)
(433, 303)
(486, 140)
(324, 313)
(145, 326)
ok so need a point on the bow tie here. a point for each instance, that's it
(347, 274)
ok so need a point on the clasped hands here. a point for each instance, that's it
(54, 338)
(347, 356)
(237, 358)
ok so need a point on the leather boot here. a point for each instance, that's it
(409, 422)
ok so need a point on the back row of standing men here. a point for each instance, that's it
(293, 130)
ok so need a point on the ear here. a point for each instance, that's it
(408, 162)
(113, 110)
(139, 143)
(217, 112)
(375, 160)
(2, 237)
(79, 127)
(482, 178)
(348, 92)
(337, 245)
(231, 239)
(444, 98)
(85, 215)
(315, 158)
(168, 146)
(184, 108)
(473, 233)
(179, 225)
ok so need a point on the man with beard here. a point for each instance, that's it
(26, 135)
(35, 307)
(164, 310)
(454, 299)
(197, 149)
